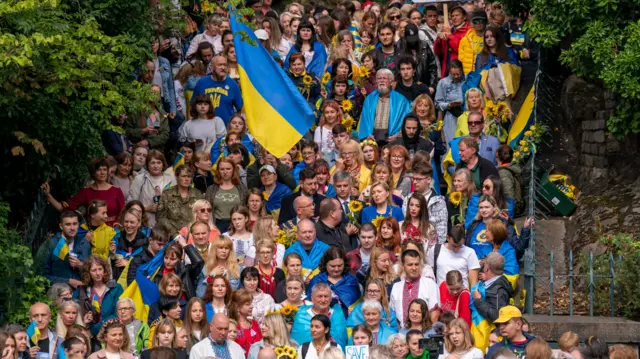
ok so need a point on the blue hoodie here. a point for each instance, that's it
(517, 349)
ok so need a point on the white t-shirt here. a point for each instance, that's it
(464, 260)
(324, 138)
(209, 131)
(473, 353)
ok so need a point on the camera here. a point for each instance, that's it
(434, 343)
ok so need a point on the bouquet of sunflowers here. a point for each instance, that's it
(363, 77)
(530, 140)
(498, 115)
(286, 352)
(287, 237)
(436, 126)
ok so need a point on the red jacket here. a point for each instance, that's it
(447, 50)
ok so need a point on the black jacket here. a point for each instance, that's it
(486, 169)
(496, 297)
(137, 261)
(188, 273)
(334, 237)
(427, 69)
(413, 91)
(201, 182)
(284, 175)
(415, 144)
(287, 212)
(140, 241)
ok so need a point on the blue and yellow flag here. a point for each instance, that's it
(33, 333)
(523, 120)
(143, 291)
(179, 161)
(95, 302)
(62, 249)
(277, 114)
(480, 326)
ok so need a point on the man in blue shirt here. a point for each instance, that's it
(223, 91)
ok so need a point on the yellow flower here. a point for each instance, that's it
(347, 122)
(455, 198)
(377, 221)
(440, 124)
(526, 149)
(334, 39)
(355, 206)
(291, 352)
(346, 105)
(364, 72)
(286, 310)
(279, 351)
(326, 78)
(307, 80)
(522, 143)
(528, 133)
(532, 128)
(516, 154)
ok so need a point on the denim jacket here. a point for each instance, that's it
(168, 89)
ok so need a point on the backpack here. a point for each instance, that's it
(519, 201)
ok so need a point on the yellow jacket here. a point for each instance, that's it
(102, 237)
(462, 128)
(470, 46)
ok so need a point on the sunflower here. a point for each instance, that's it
(279, 351)
(364, 72)
(532, 128)
(455, 198)
(346, 105)
(516, 154)
(528, 133)
(326, 78)
(526, 149)
(522, 143)
(377, 221)
(290, 351)
(355, 206)
(347, 122)
(307, 80)
(286, 310)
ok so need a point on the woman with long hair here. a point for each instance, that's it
(400, 161)
(262, 302)
(267, 228)
(202, 211)
(294, 291)
(165, 336)
(325, 32)
(361, 335)
(425, 110)
(232, 62)
(227, 192)
(381, 172)
(123, 176)
(389, 236)
(217, 296)
(204, 128)
(321, 338)
(416, 224)
(128, 241)
(474, 101)
(115, 340)
(369, 153)
(195, 322)
(381, 267)
(241, 235)
(458, 201)
(238, 125)
(331, 116)
(241, 310)
(382, 205)
(275, 333)
(256, 205)
(374, 290)
(334, 272)
(315, 55)
(221, 261)
(491, 186)
(147, 187)
(417, 317)
(98, 295)
(455, 297)
(459, 342)
(325, 188)
(494, 53)
(8, 346)
(68, 315)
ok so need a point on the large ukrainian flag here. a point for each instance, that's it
(523, 120)
(277, 114)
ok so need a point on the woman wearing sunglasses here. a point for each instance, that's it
(202, 211)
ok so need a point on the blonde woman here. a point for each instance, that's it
(381, 173)
(221, 261)
(352, 161)
(474, 102)
(202, 211)
(381, 266)
(275, 333)
(375, 289)
(382, 204)
(68, 315)
(266, 227)
(458, 200)
(459, 343)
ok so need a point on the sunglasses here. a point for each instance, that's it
(205, 210)
(394, 17)
(478, 21)
(474, 123)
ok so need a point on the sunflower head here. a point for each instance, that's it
(455, 198)
(326, 78)
(377, 221)
(347, 122)
(364, 72)
(528, 133)
(346, 105)
(532, 128)
(522, 143)
(516, 154)
(307, 80)
(526, 149)
(355, 206)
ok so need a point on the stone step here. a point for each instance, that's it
(611, 330)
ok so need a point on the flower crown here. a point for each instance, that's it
(286, 351)
(111, 322)
(369, 143)
(417, 240)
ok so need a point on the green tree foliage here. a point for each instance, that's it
(20, 286)
(63, 78)
(600, 40)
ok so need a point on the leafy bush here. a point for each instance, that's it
(20, 286)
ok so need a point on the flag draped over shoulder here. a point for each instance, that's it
(480, 326)
(277, 114)
(143, 291)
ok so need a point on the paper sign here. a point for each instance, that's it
(357, 352)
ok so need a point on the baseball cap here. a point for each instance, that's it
(411, 33)
(268, 168)
(261, 34)
(479, 14)
(507, 313)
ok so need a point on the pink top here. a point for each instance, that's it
(113, 196)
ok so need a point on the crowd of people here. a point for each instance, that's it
(362, 234)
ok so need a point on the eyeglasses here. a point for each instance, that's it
(205, 210)
(419, 179)
(348, 153)
(474, 123)
(394, 17)
(265, 253)
(373, 291)
(124, 309)
(397, 157)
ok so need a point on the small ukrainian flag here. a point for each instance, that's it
(33, 333)
(95, 302)
(62, 249)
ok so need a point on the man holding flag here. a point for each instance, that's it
(43, 343)
(68, 252)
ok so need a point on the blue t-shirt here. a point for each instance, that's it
(225, 96)
(479, 241)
